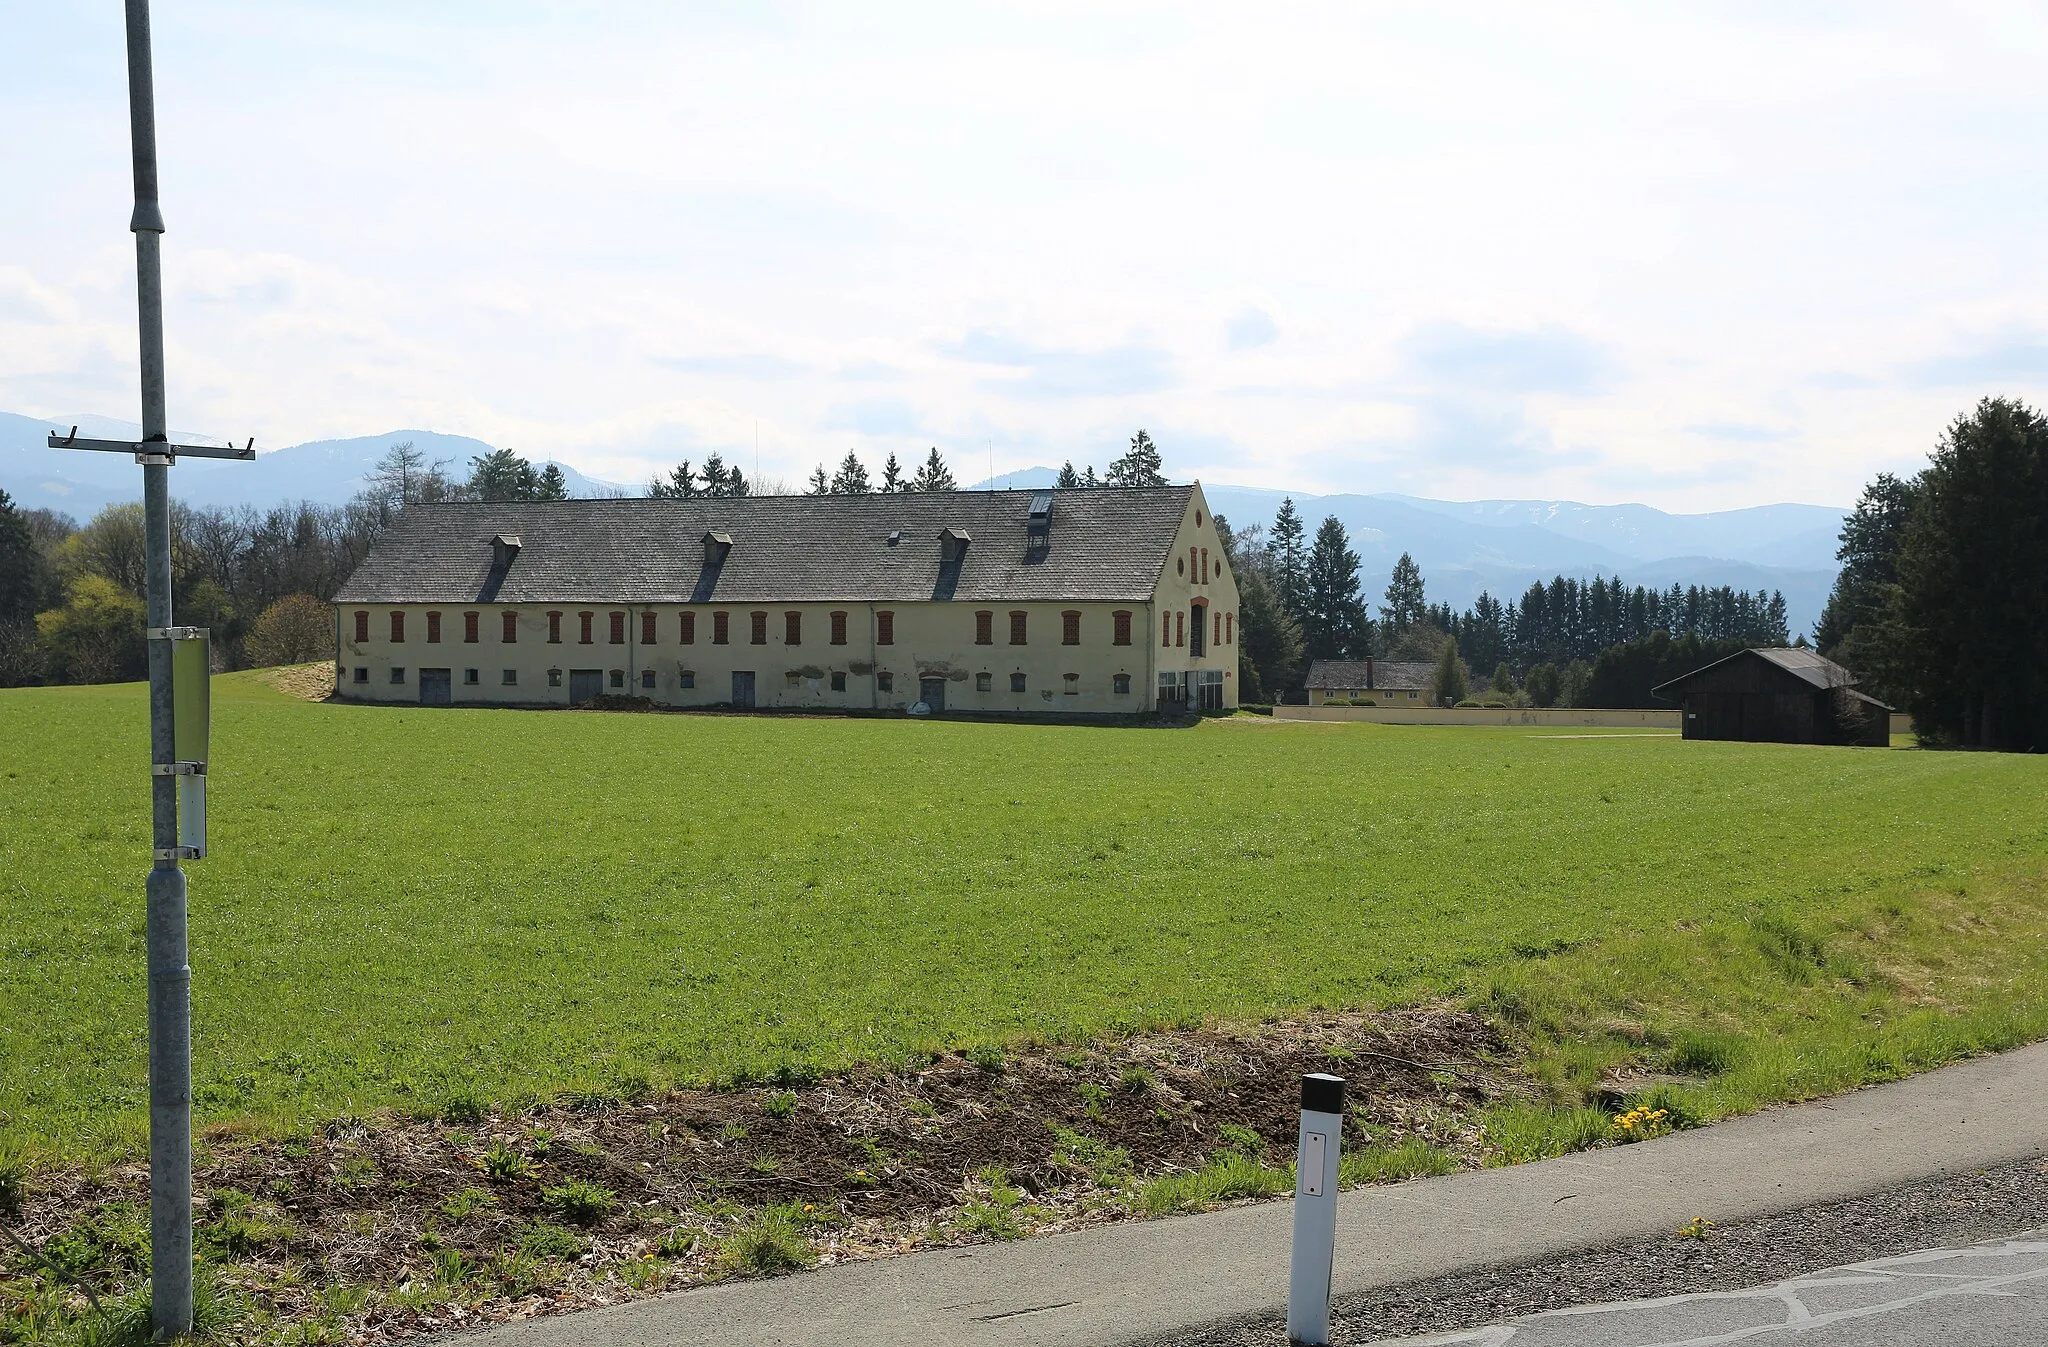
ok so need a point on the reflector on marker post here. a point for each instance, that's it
(1315, 1210)
(191, 721)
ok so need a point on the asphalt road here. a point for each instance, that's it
(1986, 1295)
(1851, 1270)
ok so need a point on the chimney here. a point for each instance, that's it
(504, 548)
(716, 545)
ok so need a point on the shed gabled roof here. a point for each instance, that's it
(1387, 676)
(1809, 667)
(1106, 545)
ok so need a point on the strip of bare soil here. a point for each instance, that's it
(367, 1231)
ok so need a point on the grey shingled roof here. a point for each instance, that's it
(1387, 675)
(1818, 670)
(1106, 545)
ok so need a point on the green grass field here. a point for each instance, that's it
(406, 903)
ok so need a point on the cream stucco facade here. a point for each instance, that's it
(1180, 645)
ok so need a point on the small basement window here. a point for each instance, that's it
(687, 680)
(1016, 682)
(647, 678)
(554, 678)
(472, 677)
(362, 674)
(509, 678)
(1120, 684)
(984, 682)
(839, 680)
(397, 674)
(1073, 684)
(619, 678)
(885, 681)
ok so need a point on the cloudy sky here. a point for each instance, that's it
(1701, 256)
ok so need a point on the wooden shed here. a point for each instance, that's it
(1782, 696)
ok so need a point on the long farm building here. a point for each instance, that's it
(1012, 602)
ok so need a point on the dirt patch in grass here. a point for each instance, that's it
(308, 682)
(376, 1229)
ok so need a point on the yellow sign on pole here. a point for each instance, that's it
(192, 723)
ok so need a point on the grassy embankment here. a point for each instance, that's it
(410, 905)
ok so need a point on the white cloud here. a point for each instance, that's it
(1704, 258)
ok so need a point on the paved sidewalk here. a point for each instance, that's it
(1144, 1278)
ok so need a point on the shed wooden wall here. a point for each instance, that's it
(1749, 699)
(1753, 700)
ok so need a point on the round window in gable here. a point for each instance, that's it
(1180, 565)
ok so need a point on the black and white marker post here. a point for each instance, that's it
(1315, 1210)
(177, 736)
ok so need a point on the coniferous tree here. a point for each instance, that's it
(934, 475)
(1089, 481)
(503, 475)
(24, 578)
(1268, 636)
(1269, 640)
(1069, 480)
(1139, 467)
(552, 485)
(821, 485)
(1334, 624)
(1405, 603)
(1448, 685)
(1290, 559)
(892, 476)
(852, 477)
(680, 484)
(1850, 628)
(1963, 636)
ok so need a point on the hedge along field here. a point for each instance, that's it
(403, 903)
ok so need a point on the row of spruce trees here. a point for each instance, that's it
(1569, 642)
(1942, 601)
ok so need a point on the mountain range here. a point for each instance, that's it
(1463, 547)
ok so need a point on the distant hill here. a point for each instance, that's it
(1463, 547)
(325, 471)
